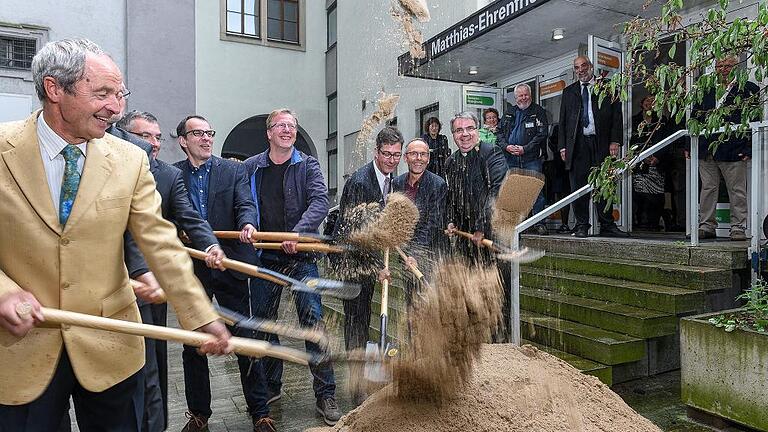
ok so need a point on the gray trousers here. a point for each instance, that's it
(735, 176)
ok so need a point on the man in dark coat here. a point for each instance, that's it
(177, 208)
(218, 189)
(589, 132)
(369, 184)
(730, 160)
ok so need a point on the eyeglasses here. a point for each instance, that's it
(289, 126)
(468, 129)
(390, 155)
(123, 94)
(147, 136)
(199, 133)
(417, 155)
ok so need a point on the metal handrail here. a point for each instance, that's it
(693, 180)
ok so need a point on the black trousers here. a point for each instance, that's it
(114, 409)
(233, 294)
(155, 407)
(585, 156)
(160, 317)
(357, 315)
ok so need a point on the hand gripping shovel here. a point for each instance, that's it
(375, 370)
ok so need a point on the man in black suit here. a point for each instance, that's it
(369, 184)
(427, 190)
(176, 207)
(589, 132)
(219, 191)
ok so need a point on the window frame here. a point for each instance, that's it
(242, 13)
(23, 31)
(332, 9)
(262, 38)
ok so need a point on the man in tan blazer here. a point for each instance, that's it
(61, 246)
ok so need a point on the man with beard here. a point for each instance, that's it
(589, 132)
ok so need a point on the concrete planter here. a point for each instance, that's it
(725, 374)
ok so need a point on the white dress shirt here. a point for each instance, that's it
(589, 130)
(380, 176)
(51, 146)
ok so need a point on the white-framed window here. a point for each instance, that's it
(276, 23)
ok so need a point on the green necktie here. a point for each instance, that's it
(70, 182)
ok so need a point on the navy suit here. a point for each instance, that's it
(230, 208)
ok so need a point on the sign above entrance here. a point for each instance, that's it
(474, 26)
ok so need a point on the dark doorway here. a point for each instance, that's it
(250, 137)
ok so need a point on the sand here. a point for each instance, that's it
(385, 110)
(391, 227)
(515, 200)
(511, 389)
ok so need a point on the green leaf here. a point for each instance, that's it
(672, 50)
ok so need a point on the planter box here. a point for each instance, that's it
(724, 374)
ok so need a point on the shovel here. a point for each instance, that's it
(275, 236)
(238, 320)
(374, 370)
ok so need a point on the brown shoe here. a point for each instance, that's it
(196, 423)
(264, 424)
(738, 235)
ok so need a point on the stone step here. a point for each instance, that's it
(630, 320)
(685, 276)
(601, 371)
(595, 344)
(662, 298)
(721, 255)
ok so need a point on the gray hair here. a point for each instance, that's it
(126, 122)
(465, 115)
(522, 85)
(64, 61)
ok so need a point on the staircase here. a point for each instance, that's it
(611, 307)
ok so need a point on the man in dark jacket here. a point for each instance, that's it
(369, 184)
(218, 189)
(290, 195)
(589, 132)
(523, 133)
(474, 174)
(427, 190)
(729, 160)
(177, 208)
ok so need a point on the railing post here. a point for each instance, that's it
(755, 202)
(514, 297)
(693, 191)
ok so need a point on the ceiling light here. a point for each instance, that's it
(473, 70)
(558, 33)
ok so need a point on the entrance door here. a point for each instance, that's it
(477, 98)
(608, 59)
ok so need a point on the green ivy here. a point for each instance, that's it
(755, 314)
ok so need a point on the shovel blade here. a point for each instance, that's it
(329, 287)
(375, 370)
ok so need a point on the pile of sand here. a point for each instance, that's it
(388, 228)
(511, 389)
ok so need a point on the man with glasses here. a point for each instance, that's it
(177, 208)
(290, 195)
(218, 189)
(369, 184)
(427, 190)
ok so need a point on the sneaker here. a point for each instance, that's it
(273, 396)
(738, 235)
(196, 423)
(264, 424)
(329, 409)
(706, 234)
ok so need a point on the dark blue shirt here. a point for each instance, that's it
(198, 187)
(516, 134)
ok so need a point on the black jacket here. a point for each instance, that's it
(473, 184)
(738, 146)
(609, 122)
(536, 130)
(362, 187)
(230, 206)
(430, 200)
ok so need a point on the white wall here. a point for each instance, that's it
(236, 81)
(369, 42)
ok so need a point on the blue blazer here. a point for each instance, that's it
(230, 206)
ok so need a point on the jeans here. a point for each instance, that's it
(265, 303)
(532, 165)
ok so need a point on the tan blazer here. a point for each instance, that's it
(80, 267)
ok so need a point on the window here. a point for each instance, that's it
(243, 17)
(333, 163)
(17, 53)
(283, 20)
(332, 115)
(423, 114)
(332, 26)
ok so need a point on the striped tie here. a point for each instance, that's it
(70, 182)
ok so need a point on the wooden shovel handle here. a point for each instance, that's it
(487, 243)
(415, 270)
(269, 236)
(385, 285)
(273, 327)
(248, 347)
(242, 267)
(303, 247)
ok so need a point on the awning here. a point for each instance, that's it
(511, 35)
